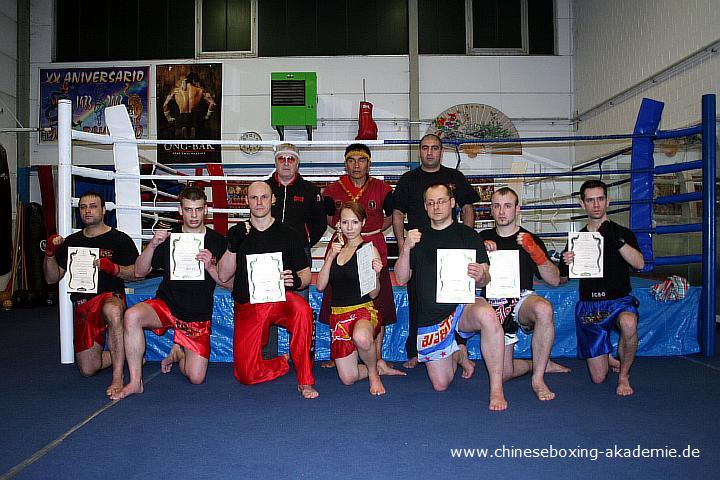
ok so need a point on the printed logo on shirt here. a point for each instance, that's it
(372, 205)
(298, 198)
(105, 253)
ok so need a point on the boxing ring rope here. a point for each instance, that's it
(129, 176)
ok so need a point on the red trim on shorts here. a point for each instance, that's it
(192, 335)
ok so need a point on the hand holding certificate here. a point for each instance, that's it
(366, 274)
(588, 250)
(265, 280)
(82, 271)
(454, 285)
(505, 274)
(184, 248)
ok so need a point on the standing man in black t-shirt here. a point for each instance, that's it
(183, 305)
(252, 320)
(606, 303)
(408, 200)
(438, 322)
(533, 313)
(299, 205)
(94, 314)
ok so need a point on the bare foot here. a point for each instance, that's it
(385, 368)
(467, 365)
(497, 401)
(307, 391)
(542, 391)
(176, 355)
(114, 388)
(624, 389)
(129, 389)
(553, 367)
(329, 364)
(614, 364)
(411, 363)
(376, 386)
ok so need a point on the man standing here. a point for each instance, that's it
(408, 199)
(188, 96)
(297, 204)
(252, 320)
(184, 305)
(96, 313)
(438, 322)
(605, 303)
(533, 313)
(376, 197)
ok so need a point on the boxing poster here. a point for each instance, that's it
(91, 90)
(189, 98)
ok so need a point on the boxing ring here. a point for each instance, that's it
(683, 327)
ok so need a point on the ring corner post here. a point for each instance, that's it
(64, 211)
(706, 328)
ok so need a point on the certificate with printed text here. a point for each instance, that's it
(504, 274)
(454, 285)
(184, 248)
(82, 273)
(366, 274)
(265, 280)
(588, 248)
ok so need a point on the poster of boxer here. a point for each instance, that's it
(189, 98)
(91, 90)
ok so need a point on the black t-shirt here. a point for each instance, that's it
(277, 238)
(408, 195)
(346, 283)
(114, 245)
(616, 280)
(423, 262)
(188, 300)
(528, 268)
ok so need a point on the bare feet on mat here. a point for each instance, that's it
(307, 391)
(467, 365)
(328, 364)
(129, 389)
(614, 364)
(624, 389)
(411, 363)
(553, 367)
(385, 368)
(497, 401)
(542, 391)
(376, 386)
(114, 388)
(176, 355)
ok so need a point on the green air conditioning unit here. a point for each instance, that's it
(293, 101)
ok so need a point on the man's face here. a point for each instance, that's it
(193, 212)
(504, 209)
(287, 166)
(260, 199)
(595, 203)
(439, 204)
(91, 212)
(357, 167)
(430, 152)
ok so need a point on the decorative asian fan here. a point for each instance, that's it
(470, 121)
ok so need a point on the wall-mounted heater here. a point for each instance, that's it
(293, 101)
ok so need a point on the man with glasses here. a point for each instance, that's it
(408, 200)
(439, 322)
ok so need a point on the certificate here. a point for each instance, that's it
(184, 248)
(588, 250)
(504, 274)
(454, 285)
(366, 274)
(265, 280)
(81, 269)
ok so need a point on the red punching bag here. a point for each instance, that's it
(367, 128)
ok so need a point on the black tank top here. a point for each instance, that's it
(345, 283)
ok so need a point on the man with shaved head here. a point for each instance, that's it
(252, 320)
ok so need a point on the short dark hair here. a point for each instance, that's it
(592, 184)
(93, 194)
(357, 147)
(436, 185)
(508, 191)
(193, 193)
(356, 208)
(432, 135)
